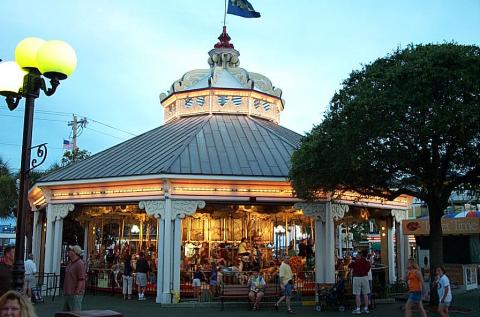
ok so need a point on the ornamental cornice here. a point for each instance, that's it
(59, 211)
(338, 211)
(316, 210)
(155, 208)
(399, 214)
(183, 208)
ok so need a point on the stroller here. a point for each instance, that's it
(37, 295)
(332, 297)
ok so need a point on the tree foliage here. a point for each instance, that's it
(408, 123)
(74, 155)
(8, 191)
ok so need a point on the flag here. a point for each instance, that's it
(242, 8)
(67, 145)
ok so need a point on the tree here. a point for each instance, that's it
(8, 191)
(74, 155)
(408, 123)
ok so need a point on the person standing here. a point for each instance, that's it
(444, 291)
(74, 284)
(30, 271)
(141, 276)
(415, 282)
(286, 284)
(127, 277)
(360, 281)
(6, 267)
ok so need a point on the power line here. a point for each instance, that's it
(111, 127)
(42, 119)
(113, 136)
(60, 113)
(13, 144)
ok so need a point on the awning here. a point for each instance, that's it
(450, 226)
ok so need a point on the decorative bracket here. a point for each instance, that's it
(399, 214)
(59, 211)
(316, 210)
(41, 155)
(338, 211)
(183, 208)
(154, 208)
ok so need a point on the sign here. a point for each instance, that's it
(450, 226)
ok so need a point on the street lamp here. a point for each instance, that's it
(34, 59)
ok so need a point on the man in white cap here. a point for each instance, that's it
(74, 284)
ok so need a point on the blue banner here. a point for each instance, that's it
(242, 8)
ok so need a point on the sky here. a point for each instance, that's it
(131, 51)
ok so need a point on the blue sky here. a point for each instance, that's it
(130, 51)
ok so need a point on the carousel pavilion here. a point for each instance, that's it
(187, 192)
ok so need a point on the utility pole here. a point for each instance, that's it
(75, 124)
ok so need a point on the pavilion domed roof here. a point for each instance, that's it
(224, 74)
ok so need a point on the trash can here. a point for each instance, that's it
(89, 313)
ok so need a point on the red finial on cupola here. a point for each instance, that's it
(224, 40)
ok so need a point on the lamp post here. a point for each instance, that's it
(35, 59)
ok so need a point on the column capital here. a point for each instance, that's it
(338, 211)
(399, 214)
(59, 211)
(316, 210)
(183, 208)
(154, 208)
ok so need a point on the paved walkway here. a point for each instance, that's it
(466, 301)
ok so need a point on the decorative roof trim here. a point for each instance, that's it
(161, 177)
(166, 98)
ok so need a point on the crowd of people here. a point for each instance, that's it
(13, 304)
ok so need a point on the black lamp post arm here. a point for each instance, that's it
(54, 82)
(12, 101)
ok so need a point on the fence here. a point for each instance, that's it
(105, 280)
(49, 284)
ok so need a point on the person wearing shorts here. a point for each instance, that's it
(141, 276)
(444, 291)
(415, 281)
(360, 281)
(286, 284)
(198, 276)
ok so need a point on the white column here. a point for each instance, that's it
(390, 254)
(57, 246)
(55, 213)
(165, 297)
(49, 240)
(156, 208)
(36, 237)
(177, 255)
(85, 240)
(402, 253)
(319, 250)
(340, 241)
(160, 271)
(169, 241)
(329, 259)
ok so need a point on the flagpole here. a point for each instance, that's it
(225, 13)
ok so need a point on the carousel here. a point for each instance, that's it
(207, 191)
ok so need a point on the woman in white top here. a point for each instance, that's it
(444, 291)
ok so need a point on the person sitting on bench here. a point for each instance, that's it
(257, 284)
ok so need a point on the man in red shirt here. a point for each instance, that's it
(74, 284)
(360, 281)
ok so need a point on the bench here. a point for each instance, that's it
(238, 292)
